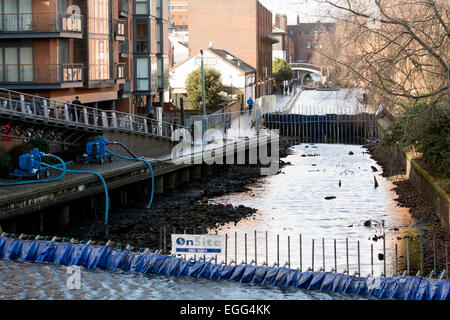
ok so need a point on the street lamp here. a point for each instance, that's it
(204, 118)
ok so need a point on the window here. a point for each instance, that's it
(99, 16)
(16, 64)
(142, 7)
(173, 18)
(309, 44)
(142, 39)
(17, 15)
(99, 59)
(142, 74)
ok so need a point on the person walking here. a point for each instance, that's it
(250, 104)
(72, 108)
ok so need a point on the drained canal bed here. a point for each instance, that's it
(328, 192)
(288, 204)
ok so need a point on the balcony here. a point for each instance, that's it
(41, 25)
(120, 30)
(124, 48)
(120, 72)
(124, 6)
(124, 90)
(28, 76)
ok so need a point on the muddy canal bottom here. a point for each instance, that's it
(289, 204)
(327, 193)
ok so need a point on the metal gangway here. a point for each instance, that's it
(32, 116)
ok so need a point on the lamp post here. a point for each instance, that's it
(204, 118)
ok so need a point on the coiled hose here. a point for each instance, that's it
(138, 159)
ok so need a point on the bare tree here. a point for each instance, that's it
(399, 48)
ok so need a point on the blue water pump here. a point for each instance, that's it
(96, 152)
(30, 166)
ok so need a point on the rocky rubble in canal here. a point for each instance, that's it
(187, 208)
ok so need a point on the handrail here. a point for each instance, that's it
(78, 116)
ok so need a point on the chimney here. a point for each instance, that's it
(277, 21)
(298, 19)
(210, 44)
(283, 22)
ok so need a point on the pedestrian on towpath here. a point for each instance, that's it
(250, 104)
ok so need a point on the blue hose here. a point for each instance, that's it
(91, 172)
(63, 164)
(151, 170)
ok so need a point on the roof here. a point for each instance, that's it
(233, 60)
(275, 29)
(307, 28)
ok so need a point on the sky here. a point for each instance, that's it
(309, 10)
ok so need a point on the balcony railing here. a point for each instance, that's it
(40, 22)
(124, 48)
(120, 71)
(124, 8)
(41, 74)
(120, 29)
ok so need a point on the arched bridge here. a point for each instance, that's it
(301, 70)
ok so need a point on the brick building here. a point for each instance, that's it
(284, 48)
(307, 37)
(179, 14)
(241, 27)
(110, 53)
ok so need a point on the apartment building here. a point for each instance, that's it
(307, 38)
(284, 48)
(179, 14)
(241, 27)
(112, 54)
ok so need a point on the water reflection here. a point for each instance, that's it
(295, 202)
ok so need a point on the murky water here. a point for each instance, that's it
(289, 204)
(295, 202)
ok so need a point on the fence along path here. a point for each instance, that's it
(343, 256)
(324, 128)
(58, 114)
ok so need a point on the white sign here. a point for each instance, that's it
(198, 244)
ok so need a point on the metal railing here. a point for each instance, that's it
(41, 22)
(120, 28)
(58, 113)
(42, 74)
(124, 6)
(124, 47)
(346, 256)
(120, 71)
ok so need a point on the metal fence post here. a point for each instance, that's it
(335, 256)
(226, 249)
(396, 260)
(256, 249)
(407, 257)
(278, 250)
(289, 251)
(346, 252)
(359, 261)
(323, 253)
(300, 252)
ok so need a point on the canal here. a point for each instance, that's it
(325, 193)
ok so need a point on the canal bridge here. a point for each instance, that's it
(301, 70)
